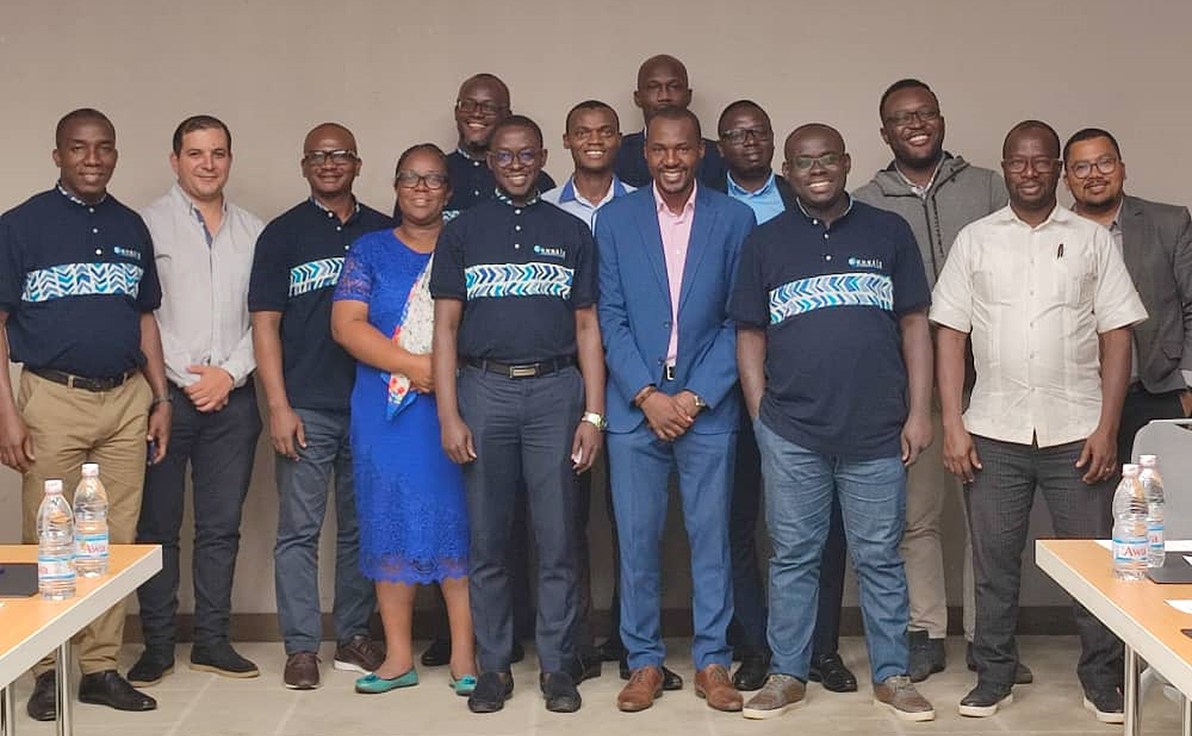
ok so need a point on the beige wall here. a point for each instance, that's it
(389, 70)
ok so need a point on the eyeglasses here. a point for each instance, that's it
(737, 136)
(488, 109)
(338, 157)
(1106, 165)
(504, 157)
(926, 115)
(1041, 164)
(827, 160)
(411, 180)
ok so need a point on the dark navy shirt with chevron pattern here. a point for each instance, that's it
(829, 300)
(75, 279)
(521, 273)
(297, 263)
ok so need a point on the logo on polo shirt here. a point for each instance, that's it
(834, 290)
(543, 250)
(875, 263)
(127, 252)
(498, 280)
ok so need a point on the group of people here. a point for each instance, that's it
(675, 307)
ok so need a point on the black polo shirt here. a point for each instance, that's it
(75, 279)
(830, 299)
(472, 182)
(631, 163)
(298, 260)
(521, 271)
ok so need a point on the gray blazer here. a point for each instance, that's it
(1157, 248)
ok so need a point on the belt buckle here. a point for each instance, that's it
(528, 370)
(668, 372)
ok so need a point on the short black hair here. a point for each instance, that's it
(590, 105)
(517, 121)
(1032, 125)
(735, 106)
(676, 113)
(199, 122)
(898, 86)
(418, 148)
(1088, 134)
(83, 113)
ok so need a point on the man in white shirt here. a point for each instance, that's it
(1049, 306)
(204, 251)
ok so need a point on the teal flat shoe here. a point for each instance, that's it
(371, 684)
(463, 686)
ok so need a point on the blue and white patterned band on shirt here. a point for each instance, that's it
(832, 290)
(315, 275)
(82, 279)
(497, 280)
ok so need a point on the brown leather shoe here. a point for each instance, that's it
(645, 686)
(302, 671)
(714, 685)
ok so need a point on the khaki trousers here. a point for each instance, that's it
(70, 426)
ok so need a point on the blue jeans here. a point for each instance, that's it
(799, 487)
(302, 489)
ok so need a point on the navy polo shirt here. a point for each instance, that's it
(472, 182)
(521, 271)
(630, 164)
(829, 300)
(75, 279)
(298, 260)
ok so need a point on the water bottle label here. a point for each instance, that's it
(54, 568)
(91, 546)
(1154, 533)
(1129, 551)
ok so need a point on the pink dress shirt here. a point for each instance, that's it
(676, 233)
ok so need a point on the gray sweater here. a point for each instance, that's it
(960, 194)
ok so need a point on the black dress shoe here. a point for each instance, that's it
(925, 656)
(492, 690)
(110, 689)
(1022, 674)
(670, 680)
(752, 673)
(559, 690)
(152, 667)
(221, 659)
(829, 670)
(437, 654)
(43, 703)
(585, 666)
(612, 650)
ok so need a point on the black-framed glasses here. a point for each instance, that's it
(829, 160)
(338, 157)
(1107, 164)
(505, 157)
(489, 109)
(737, 136)
(411, 179)
(926, 115)
(1041, 164)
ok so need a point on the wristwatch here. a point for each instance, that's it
(699, 401)
(596, 420)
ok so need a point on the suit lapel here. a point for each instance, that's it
(647, 222)
(699, 244)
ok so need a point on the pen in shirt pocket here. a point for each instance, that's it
(1059, 252)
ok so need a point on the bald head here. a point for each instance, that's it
(1035, 129)
(660, 63)
(329, 132)
(79, 117)
(330, 161)
(661, 82)
(491, 83)
(819, 132)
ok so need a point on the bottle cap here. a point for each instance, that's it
(1148, 461)
(90, 470)
(1129, 469)
(54, 485)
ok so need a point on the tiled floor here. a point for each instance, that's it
(198, 704)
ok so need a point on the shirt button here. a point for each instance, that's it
(517, 227)
(475, 163)
(347, 247)
(338, 229)
(517, 212)
(475, 192)
(815, 222)
(91, 210)
(94, 229)
(517, 245)
(825, 236)
(98, 252)
(827, 257)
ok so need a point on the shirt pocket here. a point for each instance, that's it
(1079, 281)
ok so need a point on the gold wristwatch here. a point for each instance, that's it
(596, 420)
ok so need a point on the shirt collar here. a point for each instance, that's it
(735, 190)
(568, 193)
(1059, 215)
(63, 191)
(323, 208)
(466, 156)
(1116, 224)
(503, 197)
(920, 191)
(660, 204)
(816, 220)
(184, 199)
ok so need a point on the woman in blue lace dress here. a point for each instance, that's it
(409, 495)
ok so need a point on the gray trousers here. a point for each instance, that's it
(999, 505)
(522, 429)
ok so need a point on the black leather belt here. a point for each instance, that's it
(87, 384)
(523, 370)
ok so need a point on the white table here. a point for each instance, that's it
(1136, 611)
(31, 628)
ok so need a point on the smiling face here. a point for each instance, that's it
(817, 167)
(1096, 190)
(913, 127)
(331, 176)
(516, 155)
(203, 164)
(673, 152)
(481, 104)
(421, 204)
(593, 138)
(85, 155)
(1030, 163)
(747, 142)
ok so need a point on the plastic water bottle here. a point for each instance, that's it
(1152, 484)
(55, 545)
(1129, 527)
(91, 524)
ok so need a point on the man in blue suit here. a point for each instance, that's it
(668, 256)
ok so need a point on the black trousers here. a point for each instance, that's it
(1140, 407)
